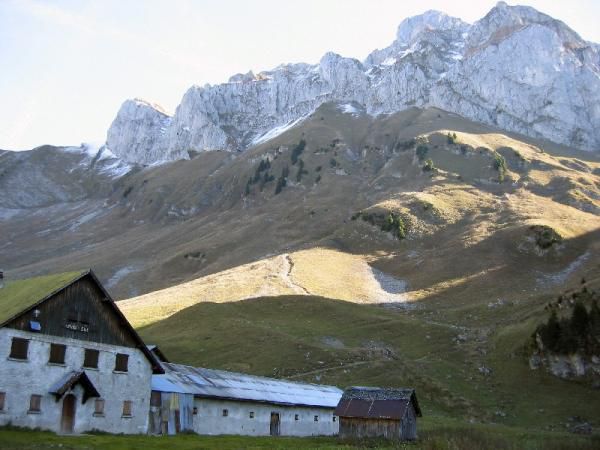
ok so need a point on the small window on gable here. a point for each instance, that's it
(19, 348)
(121, 362)
(225, 412)
(297, 417)
(127, 408)
(252, 414)
(316, 418)
(2, 399)
(35, 403)
(99, 407)
(90, 359)
(57, 353)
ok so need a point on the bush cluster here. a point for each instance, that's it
(390, 223)
(578, 333)
(261, 176)
(422, 150)
(500, 166)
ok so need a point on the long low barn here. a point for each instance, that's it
(210, 401)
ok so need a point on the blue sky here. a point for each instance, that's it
(68, 65)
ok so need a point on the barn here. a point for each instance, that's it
(69, 360)
(366, 412)
(210, 401)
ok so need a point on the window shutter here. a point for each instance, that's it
(35, 402)
(121, 362)
(57, 353)
(90, 359)
(99, 407)
(127, 408)
(19, 348)
(2, 400)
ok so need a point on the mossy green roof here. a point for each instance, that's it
(18, 295)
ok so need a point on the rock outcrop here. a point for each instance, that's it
(516, 68)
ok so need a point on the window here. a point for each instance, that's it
(252, 414)
(35, 403)
(127, 408)
(225, 412)
(316, 418)
(18, 348)
(121, 362)
(99, 407)
(195, 411)
(90, 359)
(297, 417)
(2, 399)
(335, 418)
(57, 353)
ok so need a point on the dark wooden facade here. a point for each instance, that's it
(378, 413)
(79, 311)
(82, 310)
(404, 429)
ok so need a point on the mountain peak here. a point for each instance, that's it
(411, 27)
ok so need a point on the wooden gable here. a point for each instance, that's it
(80, 311)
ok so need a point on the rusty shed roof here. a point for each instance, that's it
(377, 403)
(211, 383)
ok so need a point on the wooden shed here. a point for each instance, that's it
(390, 413)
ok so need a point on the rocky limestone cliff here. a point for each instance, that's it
(516, 68)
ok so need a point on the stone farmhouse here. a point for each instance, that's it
(70, 362)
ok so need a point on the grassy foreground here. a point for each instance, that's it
(434, 434)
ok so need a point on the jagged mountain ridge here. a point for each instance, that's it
(516, 68)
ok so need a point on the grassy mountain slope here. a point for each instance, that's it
(285, 260)
(164, 225)
(472, 368)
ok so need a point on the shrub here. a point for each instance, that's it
(282, 180)
(545, 236)
(451, 138)
(422, 150)
(297, 151)
(500, 166)
(550, 332)
(301, 170)
(405, 145)
(429, 166)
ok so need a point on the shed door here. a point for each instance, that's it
(274, 424)
(67, 421)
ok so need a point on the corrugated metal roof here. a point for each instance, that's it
(372, 409)
(236, 386)
(376, 403)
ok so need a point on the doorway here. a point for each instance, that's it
(274, 424)
(67, 421)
